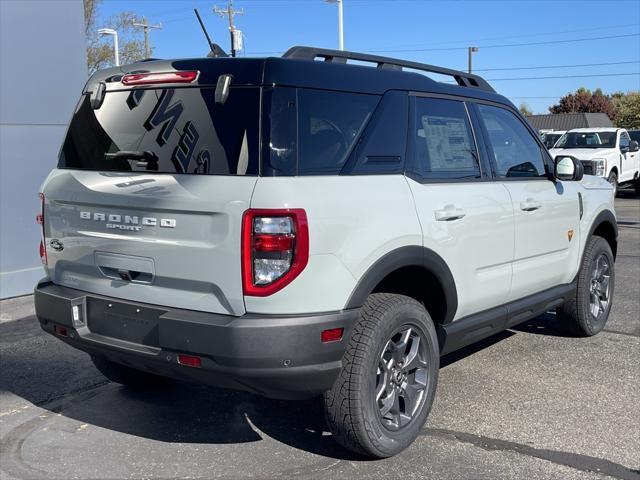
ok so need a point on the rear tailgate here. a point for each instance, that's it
(159, 239)
(147, 202)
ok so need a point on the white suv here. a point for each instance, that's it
(298, 228)
(605, 152)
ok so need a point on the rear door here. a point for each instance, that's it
(465, 218)
(147, 201)
(547, 213)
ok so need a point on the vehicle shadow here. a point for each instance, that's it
(546, 324)
(187, 413)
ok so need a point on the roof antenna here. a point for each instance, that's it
(215, 51)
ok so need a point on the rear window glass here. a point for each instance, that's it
(443, 143)
(180, 130)
(312, 132)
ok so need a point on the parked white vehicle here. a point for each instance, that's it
(550, 137)
(606, 152)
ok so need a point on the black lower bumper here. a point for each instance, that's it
(275, 356)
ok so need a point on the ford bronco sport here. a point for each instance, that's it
(295, 228)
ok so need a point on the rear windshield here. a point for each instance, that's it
(183, 130)
(179, 130)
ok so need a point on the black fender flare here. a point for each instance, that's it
(408, 256)
(605, 216)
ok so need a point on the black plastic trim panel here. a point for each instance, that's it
(471, 329)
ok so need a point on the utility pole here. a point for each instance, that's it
(472, 50)
(146, 27)
(230, 12)
(340, 23)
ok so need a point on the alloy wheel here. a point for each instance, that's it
(599, 288)
(402, 377)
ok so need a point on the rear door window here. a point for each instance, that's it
(442, 141)
(165, 130)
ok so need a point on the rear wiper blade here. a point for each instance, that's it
(144, 158)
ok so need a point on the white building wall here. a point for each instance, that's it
(42, 71)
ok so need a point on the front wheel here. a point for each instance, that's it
(613, 180)
(587, 312)
(387, 384)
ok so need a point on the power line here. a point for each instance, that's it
(556, 66)
(565, 76)
(503, 45)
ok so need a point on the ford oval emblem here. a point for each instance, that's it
(57, 245)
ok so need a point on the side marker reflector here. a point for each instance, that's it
(189, 361)
(331, 335)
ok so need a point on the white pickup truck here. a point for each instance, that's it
(606, 152)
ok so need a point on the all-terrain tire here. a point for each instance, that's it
(126, 375)
(352, 411)
(576, 314)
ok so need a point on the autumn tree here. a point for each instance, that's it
(627, 107)
(585, 101)
(100, 49)
(525, 109)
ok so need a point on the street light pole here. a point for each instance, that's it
(472, 50)
(340, 23)
(114, 33)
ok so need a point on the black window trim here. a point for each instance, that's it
(544, 153)
(482, 164)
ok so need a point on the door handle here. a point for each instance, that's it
(530, 205)
(448, 213)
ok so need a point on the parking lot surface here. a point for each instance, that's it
(528, 403)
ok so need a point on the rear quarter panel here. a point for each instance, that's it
(353, 221)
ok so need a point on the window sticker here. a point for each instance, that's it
(448, 143)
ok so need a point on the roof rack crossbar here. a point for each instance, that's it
(339, 56)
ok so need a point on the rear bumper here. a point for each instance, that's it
(275, 356)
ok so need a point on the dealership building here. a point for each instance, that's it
(42, 71)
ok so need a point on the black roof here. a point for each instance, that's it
(299, 68)
(568, 121)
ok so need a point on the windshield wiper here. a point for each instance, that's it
(146, 159)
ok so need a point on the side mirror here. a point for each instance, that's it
(633, 146)
(568, 168)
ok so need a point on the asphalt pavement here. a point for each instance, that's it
(528, 403)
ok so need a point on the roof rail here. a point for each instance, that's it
(339, 56)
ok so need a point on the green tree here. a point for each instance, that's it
(627, 109)
(100, 49)
(525, 109)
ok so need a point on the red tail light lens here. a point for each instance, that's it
(154, 78)
(40, 221)
(275, 249)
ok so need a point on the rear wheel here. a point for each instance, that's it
(126, 375)
(586, 314)
(385, 390)
(637, 187)
(613, 180)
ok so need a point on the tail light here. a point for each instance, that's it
(275, 249)
(40, 221)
